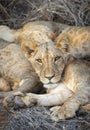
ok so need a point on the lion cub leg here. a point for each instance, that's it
(57, 96)
(4, 85)
(79, 83)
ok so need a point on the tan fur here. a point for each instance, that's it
(16, 72)
(66, 79)
(32, 33)
(38, 36)
(72, 92)
(75, 41)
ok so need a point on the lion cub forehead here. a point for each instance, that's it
(49, 49)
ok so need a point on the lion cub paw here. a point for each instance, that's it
(14, 101)
(61, 113)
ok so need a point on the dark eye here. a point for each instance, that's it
(39, 60)
(57, 58)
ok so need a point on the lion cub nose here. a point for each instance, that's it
(50, 77)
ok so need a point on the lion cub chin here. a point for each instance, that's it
(51, 86)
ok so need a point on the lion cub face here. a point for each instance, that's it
(47, 61)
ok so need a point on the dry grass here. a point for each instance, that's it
(38, 118)
(17, 12)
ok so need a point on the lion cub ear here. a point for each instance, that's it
(62, 43)
(28, 48)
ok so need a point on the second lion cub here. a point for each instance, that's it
(75, 41)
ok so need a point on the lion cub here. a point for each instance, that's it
(67, 81)
(66, 78)
(16, 72)
(75, 41)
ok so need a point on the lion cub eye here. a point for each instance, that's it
(57, 58)
(39, 61)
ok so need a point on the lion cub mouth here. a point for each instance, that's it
(51, 85)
